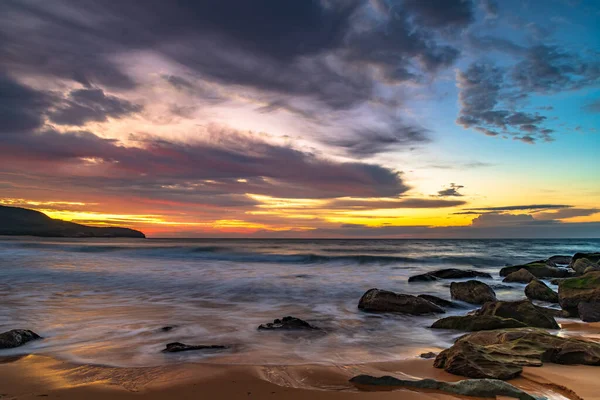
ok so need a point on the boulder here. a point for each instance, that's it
(562, 260)
(582, 264)
(473, 292)
(593, 257)
(177, 347)
(449, 273)
(473, 323)
(537, 290)
(523, 310)
(521, 276)
(288, 324)
(591, 269)
(501, 354)
(589, 311)
(539, 269)
(573, 291)
(16, 338)
(429, 355)
(483, 388)
(375, 300)
(439, 301)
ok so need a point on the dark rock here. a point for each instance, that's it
(501, 354)
(429, 355)
(521, 276)
(539, 269)
(573, 291)
(589, 311)
(485, 388)
(562, 260)
(439, 301)
(473, 323)
(288, 324)
(593, 257)
(167, 328)
(582, 264)
(16, 338)
(523, 310)
(553, 312)
(537, 290)
(473, 292)
(375, 300)
(449, 273)
(177, 347)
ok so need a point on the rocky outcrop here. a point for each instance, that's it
(16, 338)
(440, 302)
(473, 292)
(485, 388)
(582, 264)
(472, 323)
(449, 273)
(562, 260)
(593, 257)
(177, 347)
(501, 354)
(589, 311)
(539, 269)
(537, 290)
(521, 276)
(288, 324)
(375, 300)
(573, 291)
(524, 311)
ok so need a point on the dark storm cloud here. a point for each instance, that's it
(523, 207)
(21, 107)
(85, 105)
(452, 191)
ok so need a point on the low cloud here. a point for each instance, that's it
(522, 207)
(452, 191)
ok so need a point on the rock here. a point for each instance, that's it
(539, 269)
(553, 312)
(556, 281)
(501, 354)
(375, 300)
(522, 276)
(537, 290)
(16, 338)
(429, 355)
(593, 257)
(288, 324)
(449, 273)
(523, 310)
(177, 347)
(589, 311)
(582, 264)
(485, 388)
(572, 291)
(562, 260)
(167, 328)
(473, 323)
(473, 292)
(439, 301)
(591, 268)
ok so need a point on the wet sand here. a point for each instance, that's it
(34, 377)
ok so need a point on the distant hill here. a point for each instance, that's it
(18, 221)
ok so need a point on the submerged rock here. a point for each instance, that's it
(573, 291)
(539, 269)
(538, 290)
(589, 311)
(439, 301)
(473, 323)
(486, 388)
(177, 347)
(288, 324)
(501, 354)
(16, 338)
(521, 276)
(523, 310)
(375, 300)
(473, 292)
(449, 273)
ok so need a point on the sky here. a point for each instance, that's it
(304, 118)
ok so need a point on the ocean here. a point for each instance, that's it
(104, 301)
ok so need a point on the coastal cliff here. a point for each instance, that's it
(16, 221)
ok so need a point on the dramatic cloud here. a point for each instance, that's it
(21, 108)
(451, 191)
(567, 213)
(523, 207)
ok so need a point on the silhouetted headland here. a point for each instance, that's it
(16, 221)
